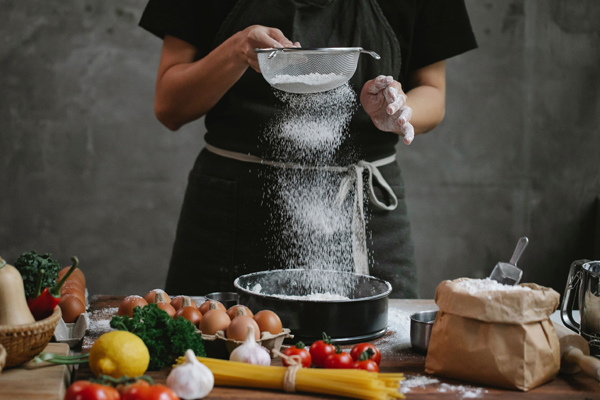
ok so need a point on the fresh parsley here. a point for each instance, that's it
(165, 337)
(29, 265)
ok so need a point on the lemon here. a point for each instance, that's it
(119, 353)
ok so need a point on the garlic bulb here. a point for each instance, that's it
(192, 379)
(251, 352)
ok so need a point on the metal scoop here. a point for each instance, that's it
(508, 273)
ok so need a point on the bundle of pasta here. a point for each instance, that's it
(355, 383)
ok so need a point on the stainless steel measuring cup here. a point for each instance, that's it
(421, 324)
(508, 273)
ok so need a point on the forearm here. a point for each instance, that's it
(428, 105)
(185, 91)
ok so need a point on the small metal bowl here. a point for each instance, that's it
(421, 324)
(228, 299)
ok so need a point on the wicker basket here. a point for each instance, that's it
(23, 342)
(2, 357)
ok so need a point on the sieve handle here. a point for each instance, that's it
(372, 53)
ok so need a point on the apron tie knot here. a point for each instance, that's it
(353, 178)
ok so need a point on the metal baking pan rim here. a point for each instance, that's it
(274, 297)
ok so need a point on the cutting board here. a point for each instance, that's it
(37, 382)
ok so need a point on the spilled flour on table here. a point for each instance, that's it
(100, 320)
(421, 381)
(398, 337)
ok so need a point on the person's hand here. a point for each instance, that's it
(260, 37)
(385, 102)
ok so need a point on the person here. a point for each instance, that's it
(208, 67)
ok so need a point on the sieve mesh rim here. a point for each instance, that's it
(314, 49)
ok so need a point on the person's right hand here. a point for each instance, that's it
(260, 37)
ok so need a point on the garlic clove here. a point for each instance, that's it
(192, 379)
(251, 352)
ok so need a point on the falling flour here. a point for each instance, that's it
(488, 285)
(312, 231)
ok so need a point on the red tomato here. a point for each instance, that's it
(359, 348)
(147, 392)
(84, 390)
(367, 365)
(339, 359)
(298, 350)
(320, 350)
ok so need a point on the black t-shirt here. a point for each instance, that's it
(428, 31)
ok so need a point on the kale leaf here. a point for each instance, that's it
(29, 265)
(165, 337)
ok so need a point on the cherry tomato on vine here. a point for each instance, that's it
(84, 390)
(339, 359)
(366, 362)
(320, 350)
(359, 348)
(298, 350)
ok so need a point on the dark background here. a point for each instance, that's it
(86, 169)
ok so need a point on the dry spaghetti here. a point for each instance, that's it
(355, 383)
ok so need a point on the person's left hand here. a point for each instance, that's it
(385, 102)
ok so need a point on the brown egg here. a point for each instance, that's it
(238, 329)
(71, 307)
(213, 321)
(176, 302)
(73, 291)
(206, 306)
(268, 321)
(190, 313)
(233, 311)
(73, 284)
(77, 274)
(129, 303)
(151, 294)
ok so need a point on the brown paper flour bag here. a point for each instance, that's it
(500, 338)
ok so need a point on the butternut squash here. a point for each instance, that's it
(13, 305)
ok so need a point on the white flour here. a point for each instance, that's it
(100, 320)
(398, 336)
(312, 79)
(313, 296)
(416, 381)
(421, 381)
(488, 285)
(311, 231)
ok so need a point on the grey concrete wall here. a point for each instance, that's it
(86, 169)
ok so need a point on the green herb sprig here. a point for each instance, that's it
(165, 337)
(29, 265)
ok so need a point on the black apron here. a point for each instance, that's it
(225, 219)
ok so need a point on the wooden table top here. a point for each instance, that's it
(43, 381)
(397, 356)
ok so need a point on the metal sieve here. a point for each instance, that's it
(298, 70)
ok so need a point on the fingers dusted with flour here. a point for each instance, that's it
(385, 102)
(418, 111)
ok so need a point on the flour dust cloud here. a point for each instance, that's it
(313, 231)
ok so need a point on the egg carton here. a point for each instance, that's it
(218, 346)
(72, 333)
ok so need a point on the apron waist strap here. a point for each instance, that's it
(352, 179)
